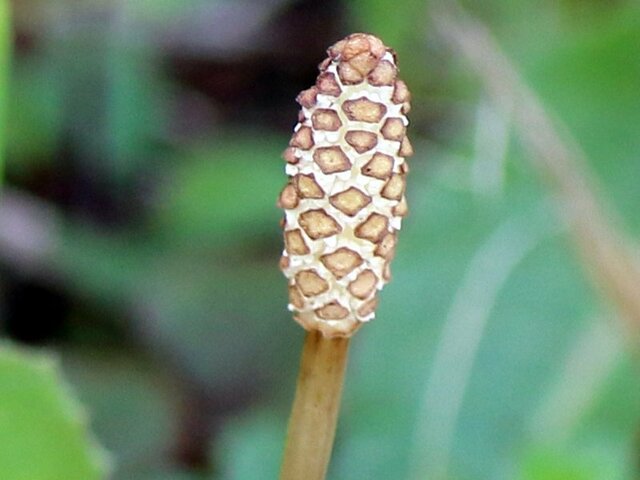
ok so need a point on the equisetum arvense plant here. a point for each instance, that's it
(343, 203)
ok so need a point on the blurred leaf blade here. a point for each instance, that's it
(43, 431)
(5, 65)
(36, 119)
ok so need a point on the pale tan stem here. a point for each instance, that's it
(314, 415)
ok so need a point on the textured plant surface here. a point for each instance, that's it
(344, 201)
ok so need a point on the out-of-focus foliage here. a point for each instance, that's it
(5, 51)
(149, 133)
(240, 185)
(35, 118)
(42, 429)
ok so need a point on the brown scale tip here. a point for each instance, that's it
(359, 56)
(356, 44)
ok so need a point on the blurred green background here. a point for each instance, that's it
(141, 306)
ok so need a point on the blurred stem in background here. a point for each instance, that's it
(5, 56)
(609, 255)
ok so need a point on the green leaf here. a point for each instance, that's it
(43, 432)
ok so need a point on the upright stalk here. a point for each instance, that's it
(314, 415)
(343, 206)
